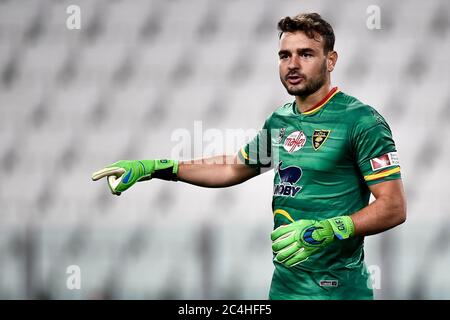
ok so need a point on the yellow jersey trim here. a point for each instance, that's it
(244, 154)
(322, 104)
(283, 213)
(382, 174)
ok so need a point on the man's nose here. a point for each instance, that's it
(294, 63)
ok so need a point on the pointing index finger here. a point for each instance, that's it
(105, 172)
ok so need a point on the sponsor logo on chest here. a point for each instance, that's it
(295, 141)
(289, 177)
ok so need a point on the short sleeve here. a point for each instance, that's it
(374, 149)
(258, 152)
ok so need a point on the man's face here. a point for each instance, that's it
(302, 63)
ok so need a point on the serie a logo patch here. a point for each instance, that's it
(319, 138)
(386, 160)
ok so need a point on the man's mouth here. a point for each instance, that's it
(294, 79)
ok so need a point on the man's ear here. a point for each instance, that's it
(332, 57)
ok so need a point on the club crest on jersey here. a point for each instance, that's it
(319, 137)
(289, 176)
(295, 141)
(280, 135)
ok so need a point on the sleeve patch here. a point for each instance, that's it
(385, 161)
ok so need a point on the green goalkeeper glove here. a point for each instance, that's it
(296, 242)
(125, 173)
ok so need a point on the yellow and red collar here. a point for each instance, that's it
(322, 102)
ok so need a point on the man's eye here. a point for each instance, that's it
(282, 57)
(307, 55)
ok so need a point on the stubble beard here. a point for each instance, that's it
(311, 85)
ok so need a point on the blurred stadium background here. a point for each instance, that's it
(72, 101)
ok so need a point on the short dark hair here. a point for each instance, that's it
(310, 24)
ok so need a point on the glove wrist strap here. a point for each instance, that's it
(343, 227)
(165, 170)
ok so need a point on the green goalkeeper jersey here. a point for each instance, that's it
(324, 162)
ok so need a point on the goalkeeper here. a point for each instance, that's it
(329, 152)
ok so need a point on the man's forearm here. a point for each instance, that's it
(382, 214)
(215, 172)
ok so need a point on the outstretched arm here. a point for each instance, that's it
(215, 172)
